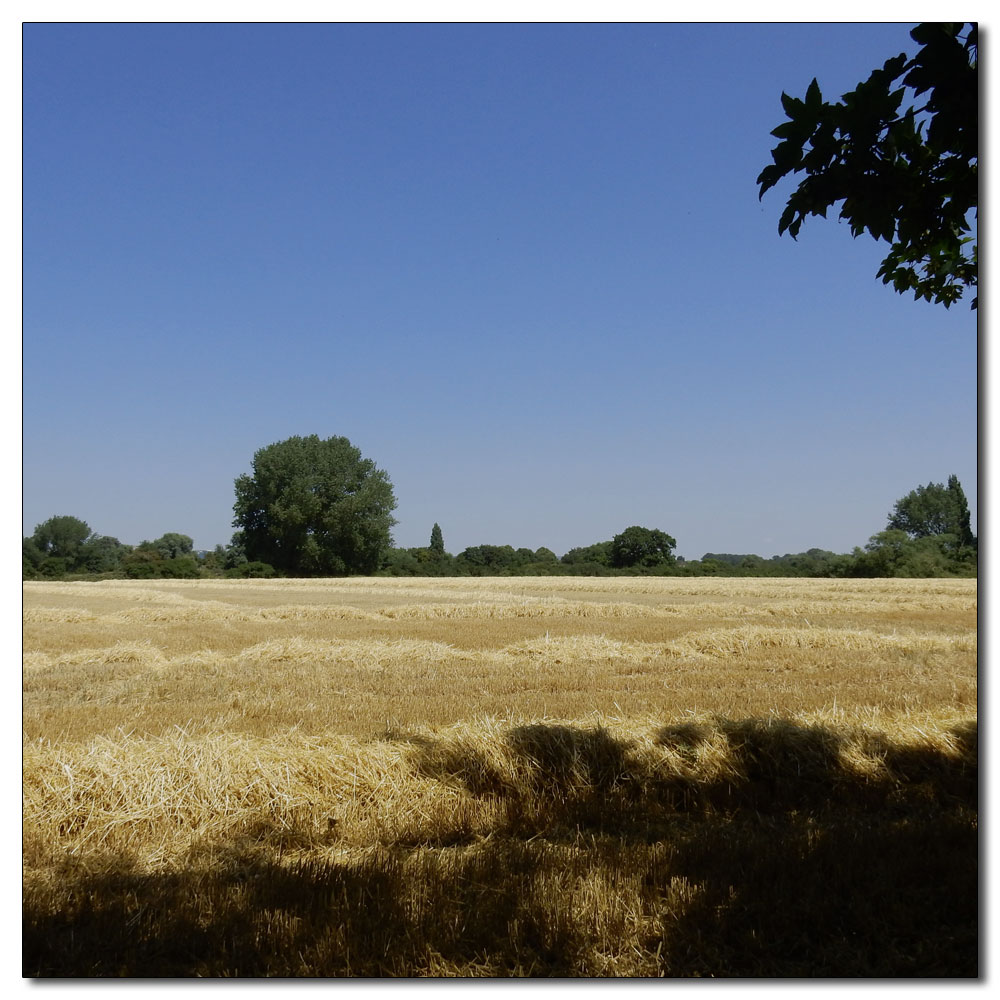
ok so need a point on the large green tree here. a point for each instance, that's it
(934, 509)
(315, 507)
(62, 537)
(907, 176)
(173, 545)
(637, 546)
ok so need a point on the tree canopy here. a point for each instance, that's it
(314, 507)
(934, 509)
(437, 540)
(909, 177)
(172, 545)
(61, 537)
(637, 546)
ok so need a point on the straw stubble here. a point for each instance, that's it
(515, 777)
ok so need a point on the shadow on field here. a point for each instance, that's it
(769, 857)
(553, 776)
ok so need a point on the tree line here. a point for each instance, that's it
(314, 507)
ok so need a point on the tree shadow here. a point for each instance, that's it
(779, 863)
(797, 896)
(550, 775)
(239, 911)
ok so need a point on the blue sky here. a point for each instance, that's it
(522, 267)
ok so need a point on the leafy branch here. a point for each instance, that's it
(907, 177)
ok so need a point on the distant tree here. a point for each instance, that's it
(215, 561)
(882, 555)
(813, 562)
(935, 509)
(103, 554)
(315, 507)
(62, 537)
(146, 562)
(713, 567)
(401, 562)
(252, 571)
(894, 553)
(907, 177)
(487, 560)
(544, 555)
(181, 568)
(172, 545)
(727, 557)
(437, 539)
(54, 567)
(32, 558)
(598, 554)
(234, 553)
(637, 546)
(963, 524)
(142, 563)
(420, 561)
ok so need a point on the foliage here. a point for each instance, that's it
(215, 560)
(234, 553)
(907, 177)
(103, 554)
(401, 562)
(315, 507)
(32, 558)
(963, 525)
(145, 562)
(429, 560)
(598, 554)
(893, 553)
(62, 537)
(252, 571)
(54, 567)
(935, 509)
(726, 557)
(637, 546)
(420, 561)
(485, 560)
(65, 544)
(929, 534)
(437, 539)
(172, 545)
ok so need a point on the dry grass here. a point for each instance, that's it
(500, 777)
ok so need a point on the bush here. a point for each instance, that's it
(143, 564)
(252, 570)
(141, 571)
(53, 567)
(182, 568)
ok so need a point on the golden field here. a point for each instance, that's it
(500, 776)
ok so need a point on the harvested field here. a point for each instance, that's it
(501, 776)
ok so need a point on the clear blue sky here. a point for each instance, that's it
(522, 267)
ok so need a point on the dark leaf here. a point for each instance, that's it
(792, 105)
(769, 176)
(814, 99)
